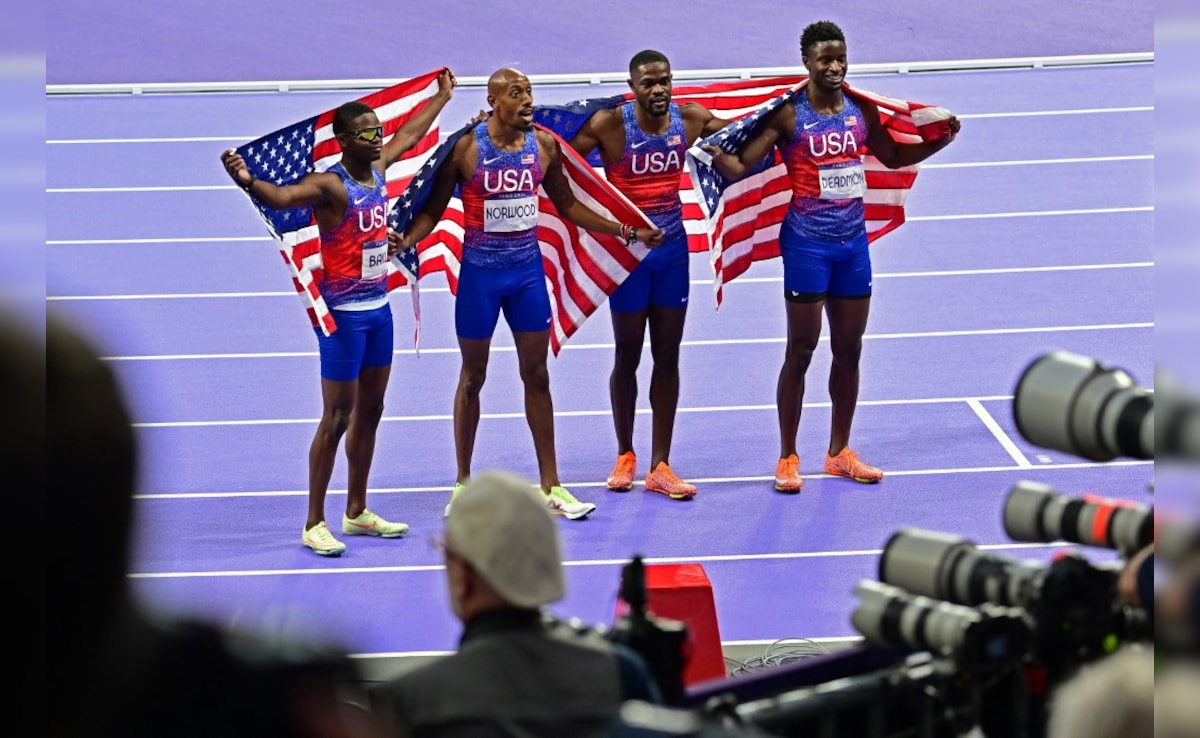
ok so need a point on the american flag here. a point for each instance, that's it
(290, 153)
(746, 221)
(727, 100)
(565, 120)
(743, 217)
(582, 268)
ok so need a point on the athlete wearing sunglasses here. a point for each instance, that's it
(368, 134)
(349, 202)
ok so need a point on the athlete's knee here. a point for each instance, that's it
(798, 356)
(536, 377)
(846, 352)
(666, 357)
(471, 379)
(369, 412)
(335, 419)
(627, 357)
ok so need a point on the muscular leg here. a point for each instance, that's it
(337, 403)
(847, 324)
(466, 400)
(532, 348)
(666, 333)
(629, 332)
(360, 437)
(803, 333)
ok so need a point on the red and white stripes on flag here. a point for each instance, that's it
(742, 218)
(287, 155)
(582, 268)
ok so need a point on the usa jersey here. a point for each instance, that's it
(824, 164)
(500, 204)
(354, 254)
(649, 170)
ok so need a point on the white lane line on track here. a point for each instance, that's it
(609, 346)
(250, 137)
(698, 481)
(585, 562)
(1016, 162)
(957, 165)
(129, 241)
(910, 219)
(694, 282)
(999, 433)
(1028, 214)
(565, 413)
(143, 188)
(1041, 113)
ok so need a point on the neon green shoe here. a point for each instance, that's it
(370, 524)
(562, 502)
(458, 488)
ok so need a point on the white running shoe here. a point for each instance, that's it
(370, 524)
(562, 502)
(321, 541)
(458, 488)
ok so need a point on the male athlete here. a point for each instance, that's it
(498, 167)
(642, 145)
(822, 135)
(350, 204)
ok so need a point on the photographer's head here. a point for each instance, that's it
(502, 547)
(1111, 698)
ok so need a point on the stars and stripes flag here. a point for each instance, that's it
(728, 100)
(739, 224)
(291, 153)
(743, 217)
(582, 268)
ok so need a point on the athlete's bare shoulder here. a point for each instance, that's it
(546, 142)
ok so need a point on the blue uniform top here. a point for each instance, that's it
(500, 204)
(824, 164)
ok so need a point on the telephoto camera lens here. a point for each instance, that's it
(889, 616)
(1076, 405)
(1038, 513)
(948, 567)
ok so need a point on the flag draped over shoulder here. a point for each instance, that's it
(291, 153)
(743, 217)
(582, 268)
(727, 100)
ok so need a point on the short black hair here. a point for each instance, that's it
(347, 112)
(647, 56)
(819, 32)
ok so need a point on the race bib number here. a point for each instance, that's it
(374, 260)
(843, 181)
(510, 215)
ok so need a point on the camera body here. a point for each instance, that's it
(957, 639)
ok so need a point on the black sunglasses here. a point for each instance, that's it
(366, 134)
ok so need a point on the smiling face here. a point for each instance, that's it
(651, 85)
(511, 96)
(826, 64)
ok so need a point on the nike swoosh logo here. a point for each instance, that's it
(360, 200)
(492, 160)
(638, 145)
(810, 125)
(363, 527)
